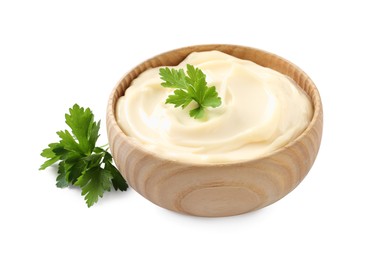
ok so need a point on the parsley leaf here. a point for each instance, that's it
(192, 86)
(94, 183)
(81, 163)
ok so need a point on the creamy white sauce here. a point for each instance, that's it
(261, 111)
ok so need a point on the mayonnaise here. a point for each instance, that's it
(261, 111)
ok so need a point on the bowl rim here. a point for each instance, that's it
(315, 100)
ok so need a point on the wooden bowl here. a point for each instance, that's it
(221, 189)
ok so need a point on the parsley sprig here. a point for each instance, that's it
(81, 163)
(192, 86)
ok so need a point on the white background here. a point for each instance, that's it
(57, 53)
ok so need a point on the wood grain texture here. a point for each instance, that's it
(214, 190)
